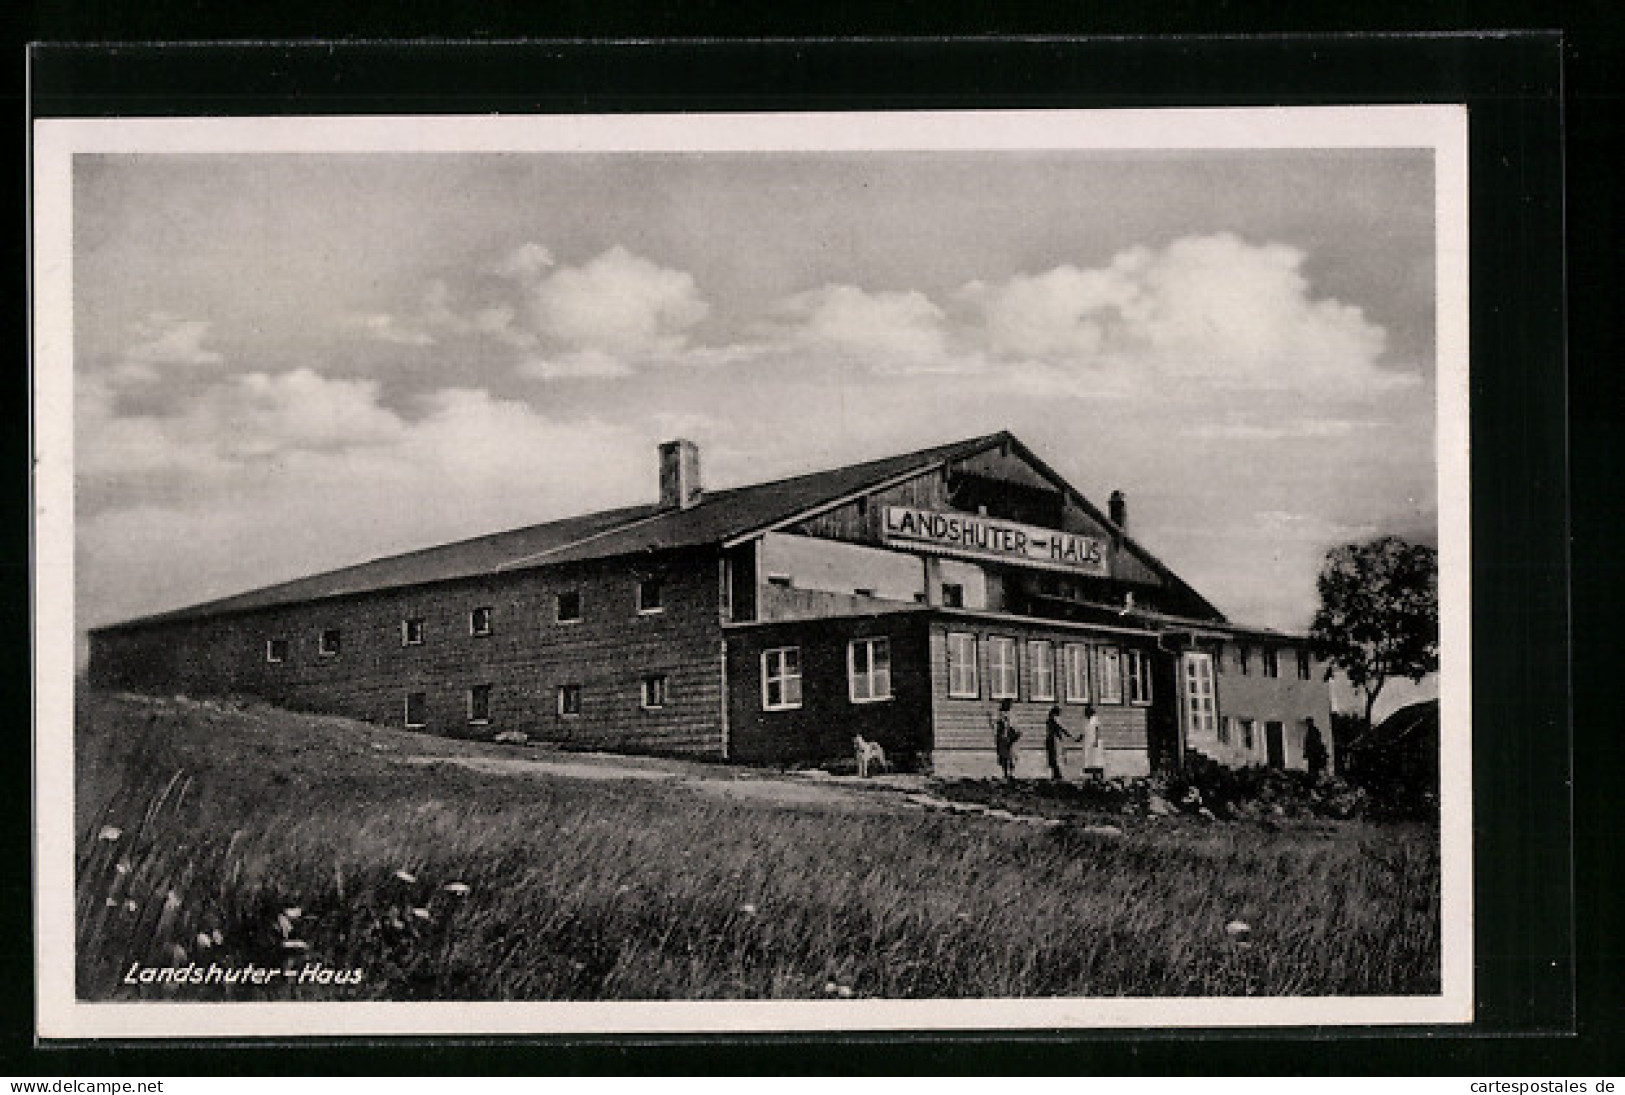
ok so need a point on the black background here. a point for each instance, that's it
(1541, 1011)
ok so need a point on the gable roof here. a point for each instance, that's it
(718, 517)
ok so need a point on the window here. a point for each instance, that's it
(1041, 669)
(276, 650)
(1227, 730)
(868, 670)
(568, 608)
(569, 700)
(953, 595)
(781, 678)
(1002, 676)
(479, 621)
(962, 677)
(1139, 677)
(412, 632)
(1272, 662)
(1218, 659)
(1076, 659)
(781, 581)
(654, 691)
(479, 704)
(1303, 665)
(1201, 706)
(649, 592)
(1246, 733)
(1111, 675)
(863, 591)
(1241, 659)
(330, 643)
(417, 705)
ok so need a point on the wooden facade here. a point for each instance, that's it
(546, 631)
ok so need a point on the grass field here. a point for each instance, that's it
(237, 834)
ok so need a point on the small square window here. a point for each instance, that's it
(479, 704)
(479, 621)
(417, 706)
(276, 650)
(412, 632)
(953, 595)
(650, 592)
(330, 643)
(654, 692)
(568, 609)
(569, 700)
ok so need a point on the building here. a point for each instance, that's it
(900, 599)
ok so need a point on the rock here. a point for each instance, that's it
(1102, 830)
(1238, 929)
(1206, 814)
(1158, 806)
(511, 737)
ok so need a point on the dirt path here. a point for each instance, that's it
(830, 792)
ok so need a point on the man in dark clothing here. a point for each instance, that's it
(1005, 736)
(1054, 734)
(1314, 750)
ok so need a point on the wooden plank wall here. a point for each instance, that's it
(527, 656)
(962, 728)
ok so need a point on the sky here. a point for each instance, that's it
(286, 363)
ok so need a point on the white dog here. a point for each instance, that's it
(870, 755)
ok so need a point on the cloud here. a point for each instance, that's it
(163, 341)
(886, 329)
(276, 475)
(580, 365)
(524, 262)
(1278, 431)
(389, 328)
(619, 304)
(1214, 310)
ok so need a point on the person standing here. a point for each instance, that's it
(1094, 760)
(1005, 736)
(1314, 751)
(1054, 734)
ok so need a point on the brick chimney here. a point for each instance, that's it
(1117, 506)
(679, 474)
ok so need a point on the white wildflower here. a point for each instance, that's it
(405, 877)
(748, 910)
(110, 832)
(204, 940)
(459, 889)
(421, 914)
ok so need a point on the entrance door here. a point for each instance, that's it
(1274, 746)
(1201, 711)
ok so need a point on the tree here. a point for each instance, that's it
(1379, 613)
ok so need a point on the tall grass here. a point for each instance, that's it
(229, 820)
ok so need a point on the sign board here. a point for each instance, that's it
(990, 538)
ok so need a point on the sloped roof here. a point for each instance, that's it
(718, 516)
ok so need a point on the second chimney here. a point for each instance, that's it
(679, 474)
(1117, 505)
